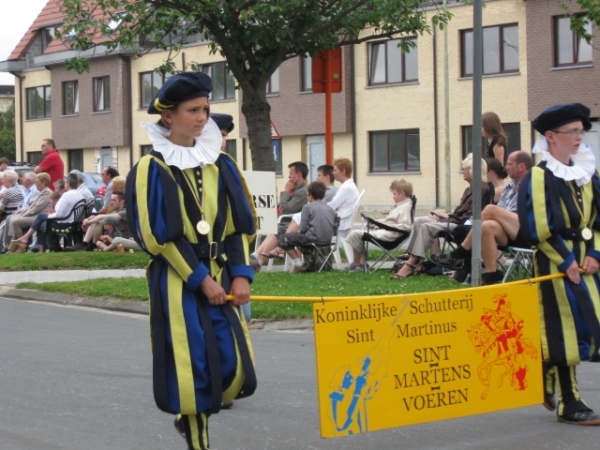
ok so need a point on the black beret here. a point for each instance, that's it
(179, 88)
(224, 121)
(558, 115)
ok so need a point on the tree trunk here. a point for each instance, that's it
(257, 112)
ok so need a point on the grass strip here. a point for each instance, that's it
(72, 261)
(281, 284)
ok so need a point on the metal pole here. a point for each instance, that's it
(447, 120)
(476, 170)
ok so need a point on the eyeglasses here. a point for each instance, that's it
(573, 133)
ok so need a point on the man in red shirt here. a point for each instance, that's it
(52, 164)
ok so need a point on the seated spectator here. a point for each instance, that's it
(82, 188)
(28, 189)
(38, 224)
(63, 210)
(325, 176)
(110, 232)
(108, 175)
(118, 184)
(24, 218)
(496, 175)
(316, 226)
(499, 225)
(399, 218)
(93, 226)
(11, 198)
(59, 186)
(291, 201)
(425, 229)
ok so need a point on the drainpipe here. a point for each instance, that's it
(353, 112)
(435, 119)
(127, 61)
(20, 78)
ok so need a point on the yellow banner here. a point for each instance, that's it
(390, 361)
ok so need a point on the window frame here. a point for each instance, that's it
(406, 133)
(75, 106)
(270, 89)
(224, 79)
(385, 43)
(154, 89)
(145, 149)
(306, 78)
(105, 80)
(502, 71)
(577, 41)
(514, 139)
(46, 102)
(75, 159)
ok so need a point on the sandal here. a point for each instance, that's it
(271, 255)
(414, 270)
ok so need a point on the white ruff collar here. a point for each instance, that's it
(584, 163)
(205, 151)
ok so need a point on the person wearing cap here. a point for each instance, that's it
(559, 206)
(189, 207)
(109, 225)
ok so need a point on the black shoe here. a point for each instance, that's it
(179, 426)
(446, 261)
(585, 418)
(490, 278)
(84, 246)
(549, 401)
(226, 405)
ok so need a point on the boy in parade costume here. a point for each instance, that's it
(190, 209)
(559, 201)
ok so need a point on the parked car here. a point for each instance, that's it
(21, 168)
(94, 183)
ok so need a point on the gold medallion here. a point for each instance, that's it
(203, 227)
(586, 234)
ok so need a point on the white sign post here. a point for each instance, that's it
(263, 188)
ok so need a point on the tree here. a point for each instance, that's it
(7, 133)
(254, 37)
(579, 22)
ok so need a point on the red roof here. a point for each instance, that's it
(51, 14)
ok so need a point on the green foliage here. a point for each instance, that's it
(7, 133)
(73, 261)
(579, 22)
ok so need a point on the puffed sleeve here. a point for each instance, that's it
(539, 221)
(154, 210)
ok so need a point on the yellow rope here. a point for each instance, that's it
(274, 298)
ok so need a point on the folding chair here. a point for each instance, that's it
(389, 248)
(287, 262)
(70, 231)
(521, 265)
(332, 249)
(347, 247)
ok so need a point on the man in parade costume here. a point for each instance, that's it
(190, 209)
(559, 201)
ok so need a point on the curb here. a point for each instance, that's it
(129, 306)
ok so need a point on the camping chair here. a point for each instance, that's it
(71, 231)
(324, 253)
(287, 261)
(521, 265)
(389, 248)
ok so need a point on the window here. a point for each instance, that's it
(34, 158)
(277, 156)
(102, 94)
(38, 102)
(76, 160)
(70, 98)
(273, 84)
(395, 151)
(231, 148)
(306, 72)
(568, 48)
(222, 79)
(388, 64)
(145, 149)
(512, 130)
(500, 50)
(150, 83)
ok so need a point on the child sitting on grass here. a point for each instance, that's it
(109, 224)
(316, 226)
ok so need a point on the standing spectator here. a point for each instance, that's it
(559, 212)
(108, 173)
(491, 128)
(51, 164)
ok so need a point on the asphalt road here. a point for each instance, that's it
(75, 378)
